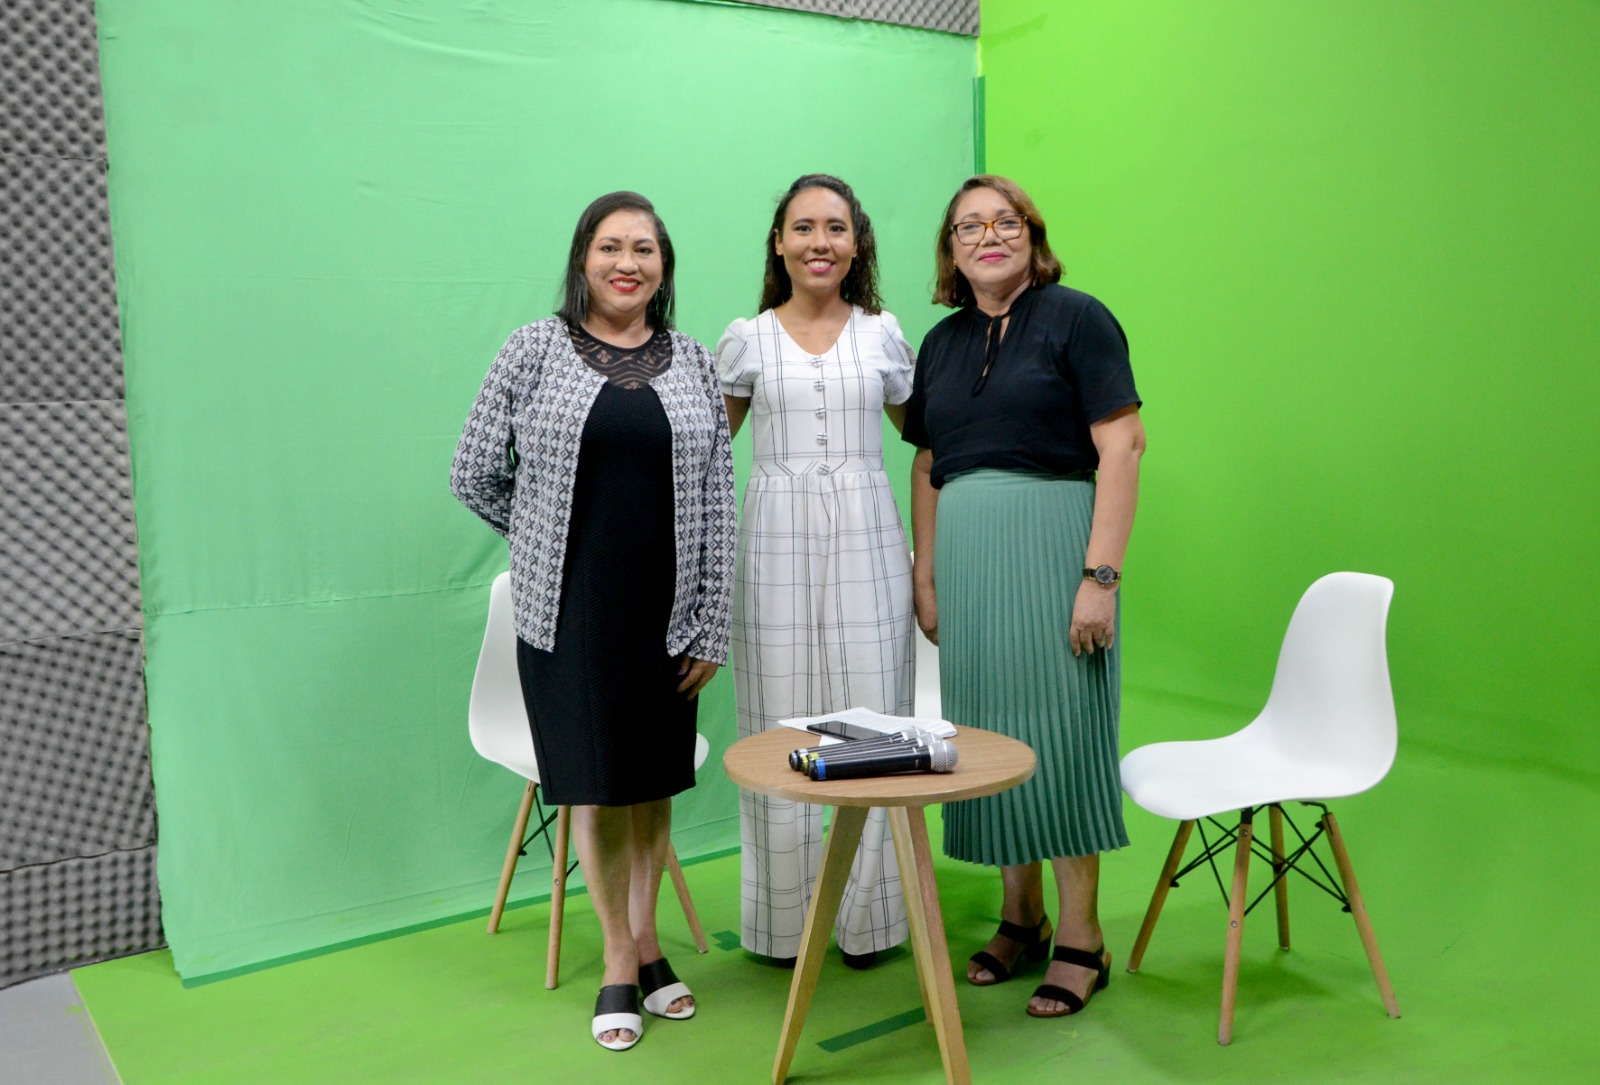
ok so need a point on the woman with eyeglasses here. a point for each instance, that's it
(1026, 420)
(598, 446)
(822, 617)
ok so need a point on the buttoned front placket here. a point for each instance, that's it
(821, 413)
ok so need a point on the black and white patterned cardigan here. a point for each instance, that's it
(517, 461)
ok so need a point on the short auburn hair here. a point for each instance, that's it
(950, 287)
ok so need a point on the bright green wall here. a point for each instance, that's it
(1354, 245)
(327, 218)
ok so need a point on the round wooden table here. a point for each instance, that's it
(986, 763)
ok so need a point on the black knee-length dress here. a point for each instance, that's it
(609, 727)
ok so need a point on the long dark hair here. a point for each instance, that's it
(575, 287)
(950, 287)
(860, 284)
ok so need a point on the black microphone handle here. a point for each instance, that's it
(849, 753)
(798, 758)
(905, 734)
(937, 756)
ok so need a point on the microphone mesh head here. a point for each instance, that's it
(941, 755)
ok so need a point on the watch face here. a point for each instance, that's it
(1105, 574)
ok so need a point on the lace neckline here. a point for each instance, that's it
(628, 368)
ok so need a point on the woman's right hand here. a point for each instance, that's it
(695, 674)
(924, 512)
(927, 606)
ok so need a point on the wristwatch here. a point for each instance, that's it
(1104, 575)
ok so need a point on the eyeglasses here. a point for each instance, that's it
(1006, 228)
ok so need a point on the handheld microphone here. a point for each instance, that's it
(838, 755)
(937, 756)
(798, 759)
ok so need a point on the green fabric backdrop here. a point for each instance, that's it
(327, 218)
(1354, 246)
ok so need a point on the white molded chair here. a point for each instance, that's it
(927, 704)
(1327, 731)
(498, 723)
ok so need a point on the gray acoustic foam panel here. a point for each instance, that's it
(77, 911)
(74, 774)
(50, 80)
(77, 817)
(67, 559)
(951, 16)
(58, 320)
(58, 304)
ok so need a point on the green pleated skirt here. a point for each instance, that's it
(1007, 567)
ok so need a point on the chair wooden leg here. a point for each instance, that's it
(513, 853)
(676, 872)
(1280, 890)
(1358, 910)
(558, 897)
(1236, 905)
(1159, 897)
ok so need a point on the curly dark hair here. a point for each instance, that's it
(575, 287)
(860, 285)
(950, 287)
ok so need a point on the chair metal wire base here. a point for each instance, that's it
(545, 819)
(1281, 864)
(1241, 838)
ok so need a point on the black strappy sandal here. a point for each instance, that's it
(1099, 960)
(1035, 942)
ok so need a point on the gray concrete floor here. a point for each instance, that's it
(47, 1038)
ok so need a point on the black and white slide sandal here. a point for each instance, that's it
(662, 988)
(617, 1008)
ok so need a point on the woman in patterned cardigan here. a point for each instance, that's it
(599, 447)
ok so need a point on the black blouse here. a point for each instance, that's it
(1062, 366)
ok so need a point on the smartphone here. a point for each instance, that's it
(839, 729)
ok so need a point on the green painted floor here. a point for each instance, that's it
(1480, 882)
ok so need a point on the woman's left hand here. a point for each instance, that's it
(695, 674)
(1094, 618)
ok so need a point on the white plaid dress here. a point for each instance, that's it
(822, 617)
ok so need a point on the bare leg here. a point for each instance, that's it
(1078, 926)
(652, 826)
(1022, 903)
(603, 836)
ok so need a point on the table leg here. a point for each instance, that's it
(837, 855)
(905, 854)
(933, 955)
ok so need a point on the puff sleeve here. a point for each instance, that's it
(738, 361)
(899, 362)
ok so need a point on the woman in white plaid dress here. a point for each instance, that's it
(823, 617)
